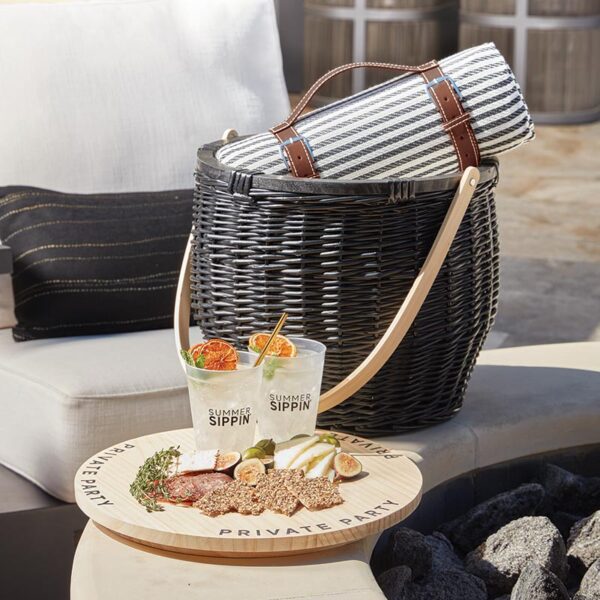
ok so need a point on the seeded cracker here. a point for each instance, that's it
(232, 497)
(245, 500)
(274, 495)
(286, 475)
(315, 494)
(281, 491)
(217, 502)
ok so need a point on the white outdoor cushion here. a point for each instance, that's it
(63, 400)
(114, 96)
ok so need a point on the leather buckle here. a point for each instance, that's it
(292, 140)
(447, 78)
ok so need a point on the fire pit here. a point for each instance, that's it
(514, 487)
(537, 541)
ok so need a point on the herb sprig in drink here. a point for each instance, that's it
(224, 388)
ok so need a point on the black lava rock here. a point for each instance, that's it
(537, 583)
(571, 493)
(473, 528)
(501, 558)
(442, 553)
(564, 522)
(590, 584)
(393, 582)
(583, 547)
(411, 549)
(446, 585)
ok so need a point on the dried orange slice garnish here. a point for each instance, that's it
(281, 346)
(215, 355)
(195, 350)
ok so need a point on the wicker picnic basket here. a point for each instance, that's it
(399, 278)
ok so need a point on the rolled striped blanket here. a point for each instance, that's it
(395, 130)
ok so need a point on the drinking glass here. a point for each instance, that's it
(224, 404)
(290, 392)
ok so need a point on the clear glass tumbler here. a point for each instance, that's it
(290, 392)
(224, 404)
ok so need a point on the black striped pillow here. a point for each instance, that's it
(93, 264)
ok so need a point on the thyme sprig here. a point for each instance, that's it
(150, 479)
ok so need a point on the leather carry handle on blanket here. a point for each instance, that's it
(402, 321)
(441, 88)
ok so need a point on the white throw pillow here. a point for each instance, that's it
(115, 96)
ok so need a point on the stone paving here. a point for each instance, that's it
(549, 220)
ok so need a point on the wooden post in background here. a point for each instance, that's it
(290, 18)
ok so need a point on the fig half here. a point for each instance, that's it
(227, 460)
(346, 465)
(249, 470)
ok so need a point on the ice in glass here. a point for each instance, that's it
(223, 403)
(291, 386)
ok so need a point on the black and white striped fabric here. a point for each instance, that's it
(395, 130)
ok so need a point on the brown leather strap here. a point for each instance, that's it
(299, 156)
(319, 83)
(456, 121)
(294, 147)
(297, 152)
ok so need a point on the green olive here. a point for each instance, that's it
(253, 452)
(267, 446)
(300, 435)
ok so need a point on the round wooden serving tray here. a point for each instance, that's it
(386, 493)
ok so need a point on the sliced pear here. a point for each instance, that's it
(313, 452)
(321, 467)
(287, 452)
(330, 439)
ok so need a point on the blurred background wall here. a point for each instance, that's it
(552, 45)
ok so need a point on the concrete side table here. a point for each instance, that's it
(107, 566)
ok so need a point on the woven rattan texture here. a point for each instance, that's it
(341, 266)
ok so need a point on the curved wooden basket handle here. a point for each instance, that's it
(412, 302)
(398, 327)
(181, 317)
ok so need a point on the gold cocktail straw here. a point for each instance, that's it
(275, 333)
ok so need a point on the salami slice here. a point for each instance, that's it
(190, 488)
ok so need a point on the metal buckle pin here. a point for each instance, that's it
(444, 78)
